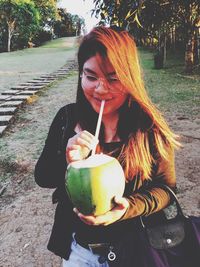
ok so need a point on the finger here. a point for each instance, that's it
(75, 147)
(86, 221)
(81, 137)
(101, 219)
(80, 215)
(82, 142)
(121, 201)
(76, 210)
(82, 218)
(89, 138)
(73, 155)
(90, 220)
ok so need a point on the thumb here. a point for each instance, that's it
(121, 201)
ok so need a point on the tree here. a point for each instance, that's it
(18, 16)
(48, 12)
(160, 19)
(117, 12)
(48, 16)
(189, 15)
(68, 24)
(78, 23)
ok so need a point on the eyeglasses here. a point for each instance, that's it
(91, 82)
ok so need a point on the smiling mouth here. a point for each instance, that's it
(99, 100)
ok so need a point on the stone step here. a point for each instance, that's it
(5, 119)
(18, 87)
(48, 80)
(41, 83)
(31, 84)
(20, 97)
(50, 77)
(2, 129)
(41, 78)
(36, 87)
(60, 73)
(32, 88)
(16, 103)
(29, 89)
(10, 92)
(28, 92)
(7, 111)
(36, 82)
(4, 97)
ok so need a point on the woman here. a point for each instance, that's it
(133, 131)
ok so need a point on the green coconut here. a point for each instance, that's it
(93, 183)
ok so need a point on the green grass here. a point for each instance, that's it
(60, 43)
(169, 88)
(23, 65)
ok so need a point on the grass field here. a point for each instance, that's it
(23, 65)
(170, 88)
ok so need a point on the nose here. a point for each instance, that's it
(101, 88)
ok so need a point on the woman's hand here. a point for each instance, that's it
(79, 146)
(109, 217)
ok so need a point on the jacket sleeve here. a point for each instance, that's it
(153, 197)
(51, 166)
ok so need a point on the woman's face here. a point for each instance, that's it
(99, 82)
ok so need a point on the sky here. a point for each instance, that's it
(81, 8)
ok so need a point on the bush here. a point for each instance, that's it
(3, 40)
(41, 37)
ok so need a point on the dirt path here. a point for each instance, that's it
(26, 210)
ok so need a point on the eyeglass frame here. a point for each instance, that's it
(102, 80)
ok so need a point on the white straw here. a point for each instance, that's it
(98, 124)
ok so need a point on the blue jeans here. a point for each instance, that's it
(82, 257)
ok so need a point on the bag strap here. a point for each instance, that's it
(174, 198)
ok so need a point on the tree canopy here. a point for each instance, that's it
(68, 24)
(156, 21)
(28, 22)
(18, 17)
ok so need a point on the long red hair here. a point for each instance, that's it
(136, 155)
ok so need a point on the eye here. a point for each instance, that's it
(91, 78)
(113, 79)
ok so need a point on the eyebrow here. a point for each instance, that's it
(94, 73)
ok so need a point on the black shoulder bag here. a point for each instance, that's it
(161, 240)
(175, 242)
